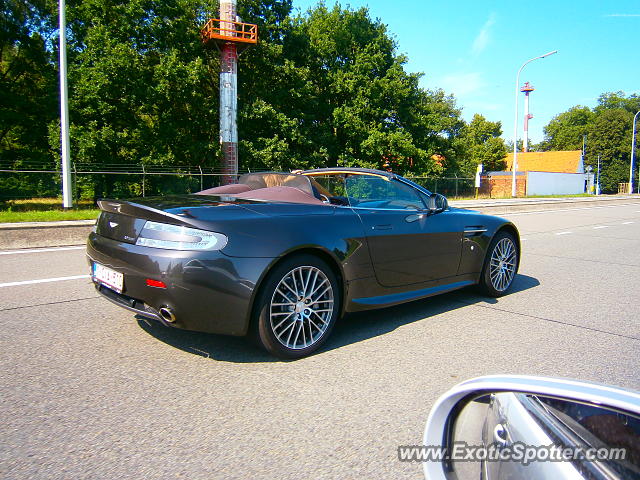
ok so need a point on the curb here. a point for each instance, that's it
(500, 206)
(44, 234)
(75, 232)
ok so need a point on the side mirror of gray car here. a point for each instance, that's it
(505, 427)
(437, 203)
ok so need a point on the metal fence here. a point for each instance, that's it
(451, 187)
(92, 181)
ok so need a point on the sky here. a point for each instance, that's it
(473, 49)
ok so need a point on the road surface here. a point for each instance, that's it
(90, 392)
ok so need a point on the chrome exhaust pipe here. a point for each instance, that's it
(167, 314)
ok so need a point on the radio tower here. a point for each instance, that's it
(230, 36)
(527, 89)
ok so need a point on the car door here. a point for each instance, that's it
(406, 245)
(518, 419)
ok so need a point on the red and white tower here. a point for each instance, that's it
(527, 89)
(230, 36)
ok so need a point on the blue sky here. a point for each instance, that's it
(474, 49)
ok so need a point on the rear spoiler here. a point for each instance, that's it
(145, 212)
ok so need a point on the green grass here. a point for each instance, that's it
(45, 210)
(50, 216)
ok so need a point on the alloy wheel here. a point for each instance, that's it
(503, 264)
(301, 307)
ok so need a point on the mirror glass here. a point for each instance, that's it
(438, 202)
(512, 435)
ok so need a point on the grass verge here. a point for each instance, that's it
(50, 216)
(45, 210)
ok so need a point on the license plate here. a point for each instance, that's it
(108, 277)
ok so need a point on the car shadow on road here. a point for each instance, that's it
(354, 328)
(357, 327)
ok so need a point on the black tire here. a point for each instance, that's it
(504, 246)
(296, 330)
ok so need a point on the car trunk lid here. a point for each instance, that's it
(123, 220)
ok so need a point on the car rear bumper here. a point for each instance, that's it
(206, 291)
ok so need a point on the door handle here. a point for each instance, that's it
(414, 217)
(500, 435)
(386, 226)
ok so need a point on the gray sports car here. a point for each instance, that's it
(281, 256)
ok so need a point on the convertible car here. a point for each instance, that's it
(281, 256)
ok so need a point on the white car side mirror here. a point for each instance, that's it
(500, 427)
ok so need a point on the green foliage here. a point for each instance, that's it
(567, 130)
(28, 99)
(608, 130)
(320, 89)
(610, 138)
(481, 143)
(338, 94)
(612, 100)
(140, 90)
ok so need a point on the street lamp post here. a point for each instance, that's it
(598, 178)
(514, 166)
(67, 201)
(633, 151)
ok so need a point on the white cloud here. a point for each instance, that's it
(482, 39)
(623, 15)
(462, 84)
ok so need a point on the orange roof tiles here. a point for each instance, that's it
(560, 161)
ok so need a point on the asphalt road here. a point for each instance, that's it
(90, 392)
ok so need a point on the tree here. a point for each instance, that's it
(608, 129)
(612, 100)
(340, 96)
(320, 89)
(28, 100)
(610, 138)
(566, 131)
(481, 143)
(140, 91)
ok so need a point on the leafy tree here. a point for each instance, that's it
(481, 143)
(140, 91)
(566, 130)
(612, 100)
(610, 138)
(28, 100)
(608, 128)
(320, 89)
(340, 96)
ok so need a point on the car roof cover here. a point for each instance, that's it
(268, 186)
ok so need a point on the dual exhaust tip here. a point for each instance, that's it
(167, 314)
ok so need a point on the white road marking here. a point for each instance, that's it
(563, 233)
(39, 250)
(43, 280)
(627, 223)
(524, 239)
(600, 226)
(538, 212)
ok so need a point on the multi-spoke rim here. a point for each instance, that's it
(503, 264)
(301, 307)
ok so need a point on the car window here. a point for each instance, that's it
(332, 185)
(601, 427)
(369, 191)
(330, 188)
